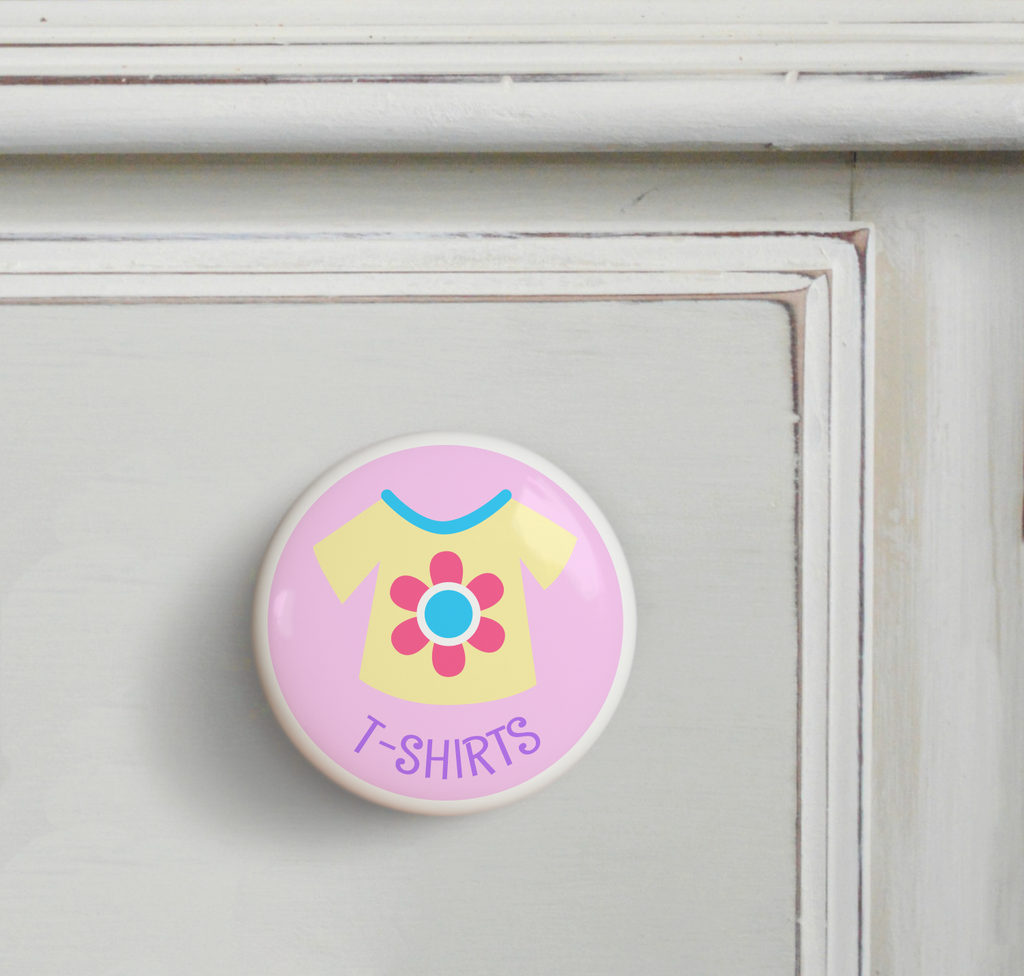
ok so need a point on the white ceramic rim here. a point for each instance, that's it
(298, 735)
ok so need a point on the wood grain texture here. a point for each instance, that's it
(949, 680)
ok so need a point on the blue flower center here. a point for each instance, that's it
(448, 613)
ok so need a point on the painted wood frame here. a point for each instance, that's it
(402, 76)
(823, 276)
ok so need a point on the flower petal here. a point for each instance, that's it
(406, 592)
(487, 589)
(445, 567)
(449, 661)
(407, 638)
(489, 636)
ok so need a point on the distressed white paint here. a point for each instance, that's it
(307, 76)
(947, 891)
(949, 673)
(293, 195)
(651, 272)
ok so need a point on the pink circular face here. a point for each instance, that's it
(444, 623)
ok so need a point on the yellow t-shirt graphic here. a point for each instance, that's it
(448, 624)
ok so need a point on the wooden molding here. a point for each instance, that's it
(821, 275)
(316, 76)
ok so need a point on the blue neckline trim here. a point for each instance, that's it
(452, 525)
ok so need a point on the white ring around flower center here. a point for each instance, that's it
(421, 614)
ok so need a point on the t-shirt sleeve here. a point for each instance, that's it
(349, 554)
(545, 547)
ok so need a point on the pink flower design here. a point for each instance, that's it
(448, 614)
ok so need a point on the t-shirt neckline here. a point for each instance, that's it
(451, 526)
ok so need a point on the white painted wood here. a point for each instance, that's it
(296, 195)
(947, 890)
(308, 76)
(579, 16)
(818, 273)
(782, 111)
(949, 760)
